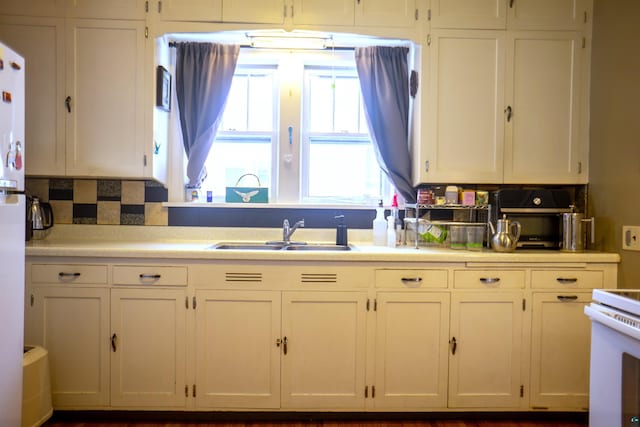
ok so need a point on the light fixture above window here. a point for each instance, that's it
(289, 40)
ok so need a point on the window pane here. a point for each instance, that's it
(346, 104)
(230, 159)
(320, 104)
(260, 103)
(235, 113)
(347, 171)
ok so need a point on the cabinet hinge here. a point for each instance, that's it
(366, 391)
(584, 42)
(367, 307)
(186, 391)
(585, 16)
(193, 303)
(146, 6)
(579, 167)
(144, 160)
(373, 392)
(193, 394)
(186, 303)
(416, 14)
(426, 166)
(511, 4)
(31, 300)
(428, 14)
(146, 32)
(291, 11)
(375, 305)
(524, 304)
(521, 391)
(160, 7)
(428, 39)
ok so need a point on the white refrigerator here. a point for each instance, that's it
(12, 234)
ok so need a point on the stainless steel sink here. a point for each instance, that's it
(317, 247)
(248, 246)
(278, 246)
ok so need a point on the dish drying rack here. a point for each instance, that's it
(472, 209)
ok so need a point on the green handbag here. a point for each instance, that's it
(238, 194)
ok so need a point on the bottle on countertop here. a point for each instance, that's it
(391, 232)
(396, 218)
(379, 227)
(341, 231)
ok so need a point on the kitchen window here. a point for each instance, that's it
(296, 120)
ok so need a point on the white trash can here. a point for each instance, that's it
(36, 387)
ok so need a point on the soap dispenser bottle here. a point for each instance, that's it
(379, 227)
(341, 231)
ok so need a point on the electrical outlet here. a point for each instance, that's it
(631, 238)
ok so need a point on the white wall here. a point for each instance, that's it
(615, 129)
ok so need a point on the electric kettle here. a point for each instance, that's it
(39, 219)
(505, 235)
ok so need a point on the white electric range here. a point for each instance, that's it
(614, 395)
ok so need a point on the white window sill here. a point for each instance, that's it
(261, 205)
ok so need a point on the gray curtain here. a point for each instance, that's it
(204, 72)
(384, 80)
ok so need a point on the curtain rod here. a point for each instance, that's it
(175, 44)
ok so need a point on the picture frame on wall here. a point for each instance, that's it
(163, 88)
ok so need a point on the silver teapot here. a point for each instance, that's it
(505, 235)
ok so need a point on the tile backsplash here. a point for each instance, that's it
(102, 201)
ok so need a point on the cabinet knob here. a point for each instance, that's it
(509, 112)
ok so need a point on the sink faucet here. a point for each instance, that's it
(287, 230)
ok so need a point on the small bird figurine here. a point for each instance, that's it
(246, 197)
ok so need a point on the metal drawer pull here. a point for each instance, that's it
(489, 280)
(454, 345)
(114, 342)
(63, 275)
(150, 276)
(564, 298)
(567, 280)
(412, 280)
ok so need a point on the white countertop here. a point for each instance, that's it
(195, 243)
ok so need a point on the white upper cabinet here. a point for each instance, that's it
(385, 13)
(543, 141)
(263, 12)
(101, 9)
(469, 14)
(327, 12)
(32, 7)
(190, 10)
(41, 42)
(548, 14)
(464, 132)
(105, 89)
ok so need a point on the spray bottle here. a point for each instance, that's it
(379, 227)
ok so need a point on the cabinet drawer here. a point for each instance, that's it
(150, 275)
(474, 279)
(411, 278)
(567, 279)
(69, 273)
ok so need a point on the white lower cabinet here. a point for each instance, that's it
(486, 349)
(560, 343)
(72, 323)
(323, 354)
(237, 349)
(148, 343)
(411, 352)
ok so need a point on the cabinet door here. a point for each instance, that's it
(112, 9)
(560, 350)
(191, 10)
(485, 352)
(265, 11)
(411, 353)
(548, 14)
(465, 142)
(73, 325)
(329, 12)
(105, 69)
(543, 137)
(237, 349)
(32, 7)
(469, 14)
(148, 345)
(323, 361)
(384, 13)
(41, 42)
